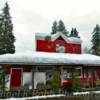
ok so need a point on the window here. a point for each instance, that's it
(60, 48)
(77, 72)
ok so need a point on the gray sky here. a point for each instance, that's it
(30, 16)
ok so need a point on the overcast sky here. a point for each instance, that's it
(31, 16)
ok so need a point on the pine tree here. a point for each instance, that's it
(1, 35)
(74, 32)
(7, 38)
(55, 83)
(2, 79)
(54, 27)
(96, 40)
(61, 28)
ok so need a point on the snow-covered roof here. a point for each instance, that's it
(75, 40)
(50, 58)
(41, 36)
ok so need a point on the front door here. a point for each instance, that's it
(16, 77)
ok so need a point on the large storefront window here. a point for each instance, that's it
(49, 76)
(39, 79)
(90, 73)
(41, 76)
(77, 72)
(27, 79)
(71, 72)
(98, 74)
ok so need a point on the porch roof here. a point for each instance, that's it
(43, 58)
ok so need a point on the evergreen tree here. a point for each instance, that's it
(74, 32)
(7, 38)
(54, 27)
(61, 28)
(1, 35)
(96, 40)
(55, 83)
(2, 79)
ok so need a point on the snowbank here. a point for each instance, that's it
(37, 97)
(88, 92)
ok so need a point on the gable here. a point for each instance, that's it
(60, 38)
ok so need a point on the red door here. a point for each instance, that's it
(16, 77)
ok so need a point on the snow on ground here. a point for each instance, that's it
(50, 58)
(87, 92)
(80, 93)
(37, 97)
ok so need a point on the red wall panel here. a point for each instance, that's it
(50, 46)
(16, 76)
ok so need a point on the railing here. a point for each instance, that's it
(72, 96)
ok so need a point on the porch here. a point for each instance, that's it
(43, 77)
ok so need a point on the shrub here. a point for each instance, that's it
(78, 85)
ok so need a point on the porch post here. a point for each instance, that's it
(3, 79)
(93, 77)
(61, 75)
(73, 73)
(33, 68)
(73, 77)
